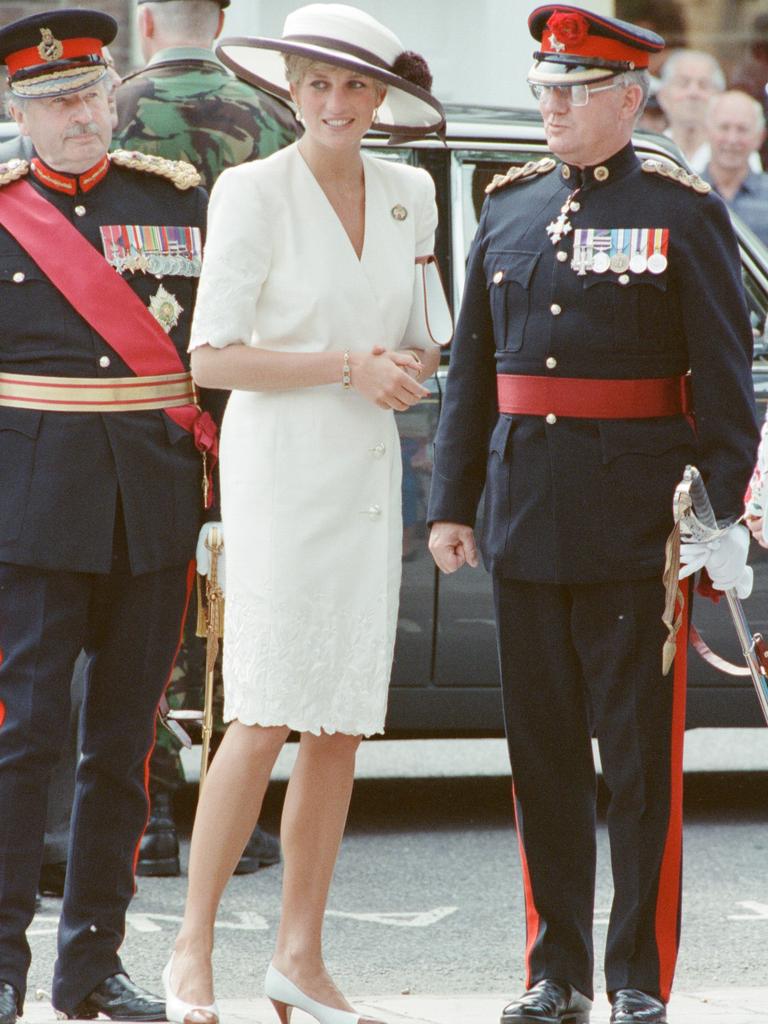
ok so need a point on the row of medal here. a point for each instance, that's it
(153, 249)
(620, 249)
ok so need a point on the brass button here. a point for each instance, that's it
(555, 310)
(624, 279)
(373, 512)
(19, 276)
(562, 256)
(378, 450)
(575, 207)
(601, 173)
(566, 172)
(551, 418)
(104, 361)
(80, 211)
(551, 363)
(498, 277)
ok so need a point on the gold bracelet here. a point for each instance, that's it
(346, 377)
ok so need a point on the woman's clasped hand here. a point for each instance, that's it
(387, 378)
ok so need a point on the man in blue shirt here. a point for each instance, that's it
(736, 129)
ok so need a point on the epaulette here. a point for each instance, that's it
(679, 175)
(13, 170)
(182, 174)
(529, 170)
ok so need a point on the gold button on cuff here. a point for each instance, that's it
(80, 211)
(19, 276)
(551, 363)
(624, 279)
(551, 418)
(562, 256)
(498, 277)
(555, 310)
(104, 361)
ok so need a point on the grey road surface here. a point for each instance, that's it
(427, 895)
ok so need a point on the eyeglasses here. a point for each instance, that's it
(576, 95)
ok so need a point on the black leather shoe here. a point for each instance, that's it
(119, 999)
(52, 878)
(261, 850)
(159, 847)
(631, 1006)
(9, 1003)
(548, 1002)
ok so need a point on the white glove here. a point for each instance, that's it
(203, 554)
(724, 558)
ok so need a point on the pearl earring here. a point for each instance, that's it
(299, 115)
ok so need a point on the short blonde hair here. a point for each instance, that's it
(297, 66)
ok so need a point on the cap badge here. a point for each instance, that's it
(50, 48)
(555, 43)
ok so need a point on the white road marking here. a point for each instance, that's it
(759, 911)
(413, 919)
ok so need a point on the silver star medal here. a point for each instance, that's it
(165, 308)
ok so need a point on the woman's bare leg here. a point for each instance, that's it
(227, 812)
(314, 815)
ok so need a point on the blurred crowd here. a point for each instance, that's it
(716, 116)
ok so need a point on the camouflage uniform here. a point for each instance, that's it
(185, 105)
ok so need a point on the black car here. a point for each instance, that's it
(445, 679)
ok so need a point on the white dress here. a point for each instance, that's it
(310, 477)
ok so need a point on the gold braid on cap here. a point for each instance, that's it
(679, 175)
(12, 171)
(516, 174)
(182, 174)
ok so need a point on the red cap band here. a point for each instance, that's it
(567, 33)
(71, 49)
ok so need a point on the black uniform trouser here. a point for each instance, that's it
(578, 661)
(130, 628)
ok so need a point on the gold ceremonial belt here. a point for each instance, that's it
(95, 394)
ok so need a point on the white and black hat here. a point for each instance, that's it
(349, 38)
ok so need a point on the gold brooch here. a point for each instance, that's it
(165, 308)
(399, 212)
(50, 48)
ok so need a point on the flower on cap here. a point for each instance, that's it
(570, 29)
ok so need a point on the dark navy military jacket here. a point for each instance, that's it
(61, 472)
(588, 499)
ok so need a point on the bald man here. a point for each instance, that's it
(736, 130)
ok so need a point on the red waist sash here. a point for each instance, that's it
(584, 398)
(104, 300)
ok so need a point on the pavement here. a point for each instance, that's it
(718, 1006)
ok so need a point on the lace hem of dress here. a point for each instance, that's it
(308, 664)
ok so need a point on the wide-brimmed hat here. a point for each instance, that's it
(349, 38)
(577, 45)
(57, 52)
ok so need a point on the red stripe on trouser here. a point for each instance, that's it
(668, 898)
(190, 582)
(2, 713)
(532, 918)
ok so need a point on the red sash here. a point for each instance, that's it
(104, 300)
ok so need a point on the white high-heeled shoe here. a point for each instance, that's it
(284, 995)
(178, 1011)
